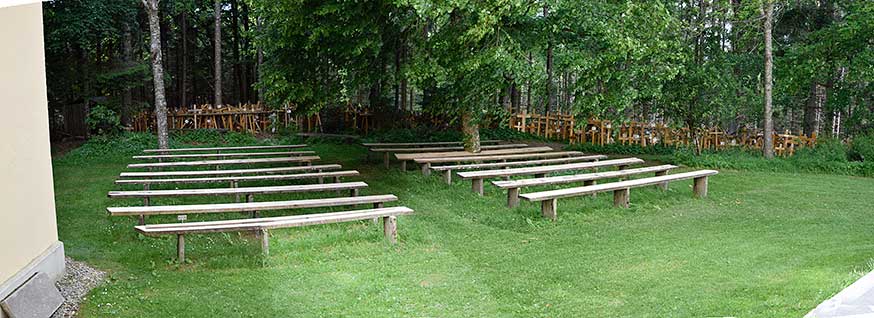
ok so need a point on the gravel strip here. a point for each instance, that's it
(76, 283)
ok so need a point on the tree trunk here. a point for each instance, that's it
(768, 147)
(183, 102)
(218, 52)
(470, 129)
(238, 67)
(550, 90)
(813, 109)
(127, 55)
(157, 71)
(260, 59)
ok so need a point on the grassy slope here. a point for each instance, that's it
(762, 245)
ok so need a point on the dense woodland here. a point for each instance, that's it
(687, 62)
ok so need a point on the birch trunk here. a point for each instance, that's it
(768, 147)
(157, 71)
(218, 53)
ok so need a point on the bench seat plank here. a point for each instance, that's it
(437, 149)
(272, 177)
(228, 155)
(578, 191)
(248, 206)
(243, 190)
(423, 144)
(546, 169)
(223, 162)
(269, 223)
(150, 174)
(540, 155)
(517, 163)
(414, 156)
(579, 177)
(225, 148)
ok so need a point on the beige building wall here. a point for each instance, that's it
(28, 230)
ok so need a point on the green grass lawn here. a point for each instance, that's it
(761, 245)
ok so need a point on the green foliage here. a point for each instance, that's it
(863, 146)
(111, 147)
(103, 121)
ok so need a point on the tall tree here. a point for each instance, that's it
(157, 71)
(768, 12)
(218, 52)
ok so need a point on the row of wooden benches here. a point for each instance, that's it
(259, 225)
(540, 161)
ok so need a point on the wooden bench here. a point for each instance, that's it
(224, 148)
(386, 152)
(413, 156)
(248, 192)
(621, 193)
(234, 180)
(300, 159)
(248, 207)
(262, 225)
(423, 144)
(563, 157)
(513, 187)
(226, 155)
(477, 177)
(155, 174)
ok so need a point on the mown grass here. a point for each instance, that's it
(763, 244)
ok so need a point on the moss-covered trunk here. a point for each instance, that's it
(470, 128)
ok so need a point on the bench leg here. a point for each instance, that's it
(548, 207)
(234, 184)
(180, 248)
(539, 175)
(403, 165)
(265, 242)
(390, 227)
(663, 185)
(591, 183)
(377, 205)
(513, 197)
(142, 219)
(700, 187)
(447, 176)
(251, 198)
(353, 192)
(321, 179)
(426, 169)
(477, 186)
(621, 198)
(385, 159)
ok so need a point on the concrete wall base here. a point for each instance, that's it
(50, 262)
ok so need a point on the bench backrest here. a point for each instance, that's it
(269, 223)
(223, 148)
(243, 190)
(518, 163)
(579, 177)
(228, 155)
(413, 156)
(150, 174)
(538, 155)
(546, 169)
(272, 177)
(223, 162)
(248, 206)
(436, 149)
(578, 191)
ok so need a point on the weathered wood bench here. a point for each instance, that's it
(298, 159)
(387, 152)
(423, 144)
(226, 155)
(563, 157)
(169, 150)
(234, 180)
(195, 173)
(248, 192)
(621, 193)
(262, 225)
(513, 187)
(403, 158)
(251, 207)
(477, 177)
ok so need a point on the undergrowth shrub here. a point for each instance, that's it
(863, 147)
(103, 121)
(106, 146)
